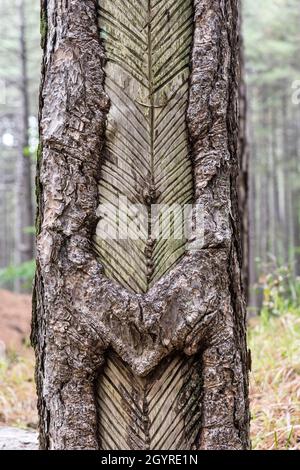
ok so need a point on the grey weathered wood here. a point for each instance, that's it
(148, 48)
(160, 411)
(147, 160)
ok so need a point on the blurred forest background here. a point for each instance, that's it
(20, 58)
(271, 33)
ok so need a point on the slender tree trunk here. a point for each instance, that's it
(263, 201)
(296, 193)
(175, 348)
(253, 223)
(289, 228)
(243, 181)
(296, 216)
(278, 230)
(3, 216)
(24, 207)
(271, 183)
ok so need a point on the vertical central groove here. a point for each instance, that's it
(148, 44)
(151, 91)
(152, 189)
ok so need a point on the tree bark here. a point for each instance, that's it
(24, 206)
(84, 323)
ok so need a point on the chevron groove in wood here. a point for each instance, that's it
(174, 431)
(116, 151)
(160, 411)
(148, 46)
(110, 12)
(173, 101)
(166, 130)
(130, 104)
(144, 144)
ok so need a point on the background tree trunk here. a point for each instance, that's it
(243, 180)
(88, 329)
(24, 207)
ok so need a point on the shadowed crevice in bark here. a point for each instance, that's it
(80, 314)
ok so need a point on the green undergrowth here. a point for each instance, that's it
(274, 339)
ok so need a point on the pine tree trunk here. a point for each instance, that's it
(243, 180)
(253, 225)
(121, 351)
(24, 207)
(288, 211)
(264, 205)
(296, 193)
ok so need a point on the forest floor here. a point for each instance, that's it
(275, 378)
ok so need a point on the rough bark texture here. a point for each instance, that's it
(197, 307)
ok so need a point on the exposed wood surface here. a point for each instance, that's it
(147, 160)
(148, 48)
(160, 411)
